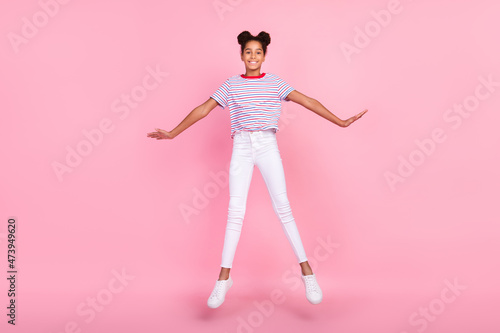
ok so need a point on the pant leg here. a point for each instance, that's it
(240, 177)
(270, 165)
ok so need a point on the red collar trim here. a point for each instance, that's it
(253, 77)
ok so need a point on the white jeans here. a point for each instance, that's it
(257, 148)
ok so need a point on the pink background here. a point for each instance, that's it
(397, 248)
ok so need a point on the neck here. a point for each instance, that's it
(255, 72)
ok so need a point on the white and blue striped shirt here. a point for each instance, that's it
(254, 101)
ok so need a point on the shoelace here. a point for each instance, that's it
(310, 285)
(218, 289)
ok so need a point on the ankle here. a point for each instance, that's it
(224, 273)
(305, 268)
(223, 276)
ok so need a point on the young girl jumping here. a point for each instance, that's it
(254, 102)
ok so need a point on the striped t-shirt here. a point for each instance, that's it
(254, 101)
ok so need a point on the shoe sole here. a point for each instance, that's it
(315, 302)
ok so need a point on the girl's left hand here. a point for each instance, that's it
(354, 118)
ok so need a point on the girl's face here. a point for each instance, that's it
(253, 56)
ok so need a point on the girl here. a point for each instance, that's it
(254, 102)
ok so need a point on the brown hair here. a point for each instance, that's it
(263, 37)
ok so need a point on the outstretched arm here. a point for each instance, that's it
(198, 113)
(318, 108)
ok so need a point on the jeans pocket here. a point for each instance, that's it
(268, 138)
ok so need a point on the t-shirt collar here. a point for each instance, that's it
(253, 77)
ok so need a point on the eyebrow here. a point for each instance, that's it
(251, 49)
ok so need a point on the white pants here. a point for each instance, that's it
(257, 148)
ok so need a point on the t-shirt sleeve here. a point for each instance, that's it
(221, 95)
(283, 89)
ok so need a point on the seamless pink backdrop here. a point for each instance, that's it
(398, 213)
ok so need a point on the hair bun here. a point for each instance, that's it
(243, 37)
(264, 37)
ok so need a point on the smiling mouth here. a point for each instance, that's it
(253, 62)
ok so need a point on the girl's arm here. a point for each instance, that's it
(198, 113)
(318, 108)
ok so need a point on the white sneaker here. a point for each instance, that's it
(219, 293)
(313, 292)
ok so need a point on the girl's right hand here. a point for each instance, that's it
(160, 134)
